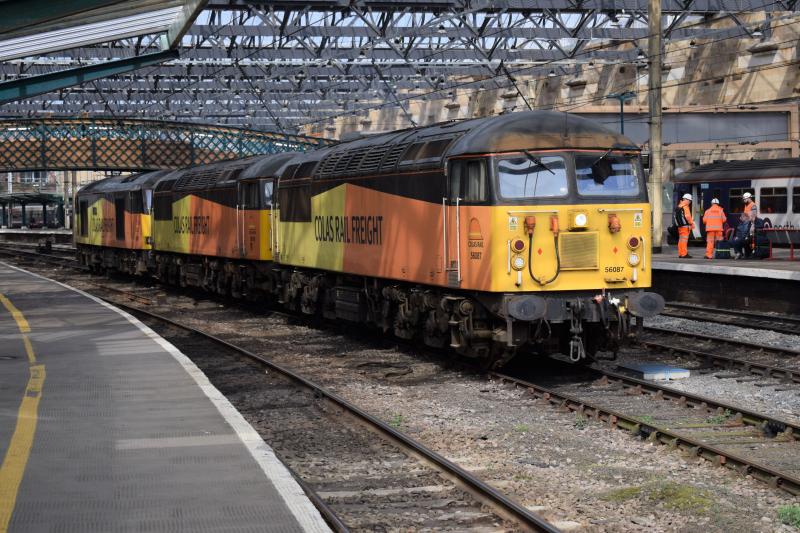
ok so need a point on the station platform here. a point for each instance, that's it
(769, 285)
(104, 426)
(57, 236)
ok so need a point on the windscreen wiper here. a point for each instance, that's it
(538, 161)
(602, 156)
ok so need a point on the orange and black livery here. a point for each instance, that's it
(500, 236)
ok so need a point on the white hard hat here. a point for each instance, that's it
(747, 195)
(714, 201)
(687, 196)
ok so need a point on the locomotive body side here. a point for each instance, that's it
(218, 211)
(113, 226)
(505, 226)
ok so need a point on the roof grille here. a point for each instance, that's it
(328, 166)
(371, 161)
(205, 178)
(394, 154)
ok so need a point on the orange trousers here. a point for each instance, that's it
(711, 240)
(683, 240)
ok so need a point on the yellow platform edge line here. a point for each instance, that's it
(19, 449)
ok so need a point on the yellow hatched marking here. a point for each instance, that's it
(19, 448)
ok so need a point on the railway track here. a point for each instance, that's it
(359, 479)
(744, 319)
(59, 260)
(761, 446)
(724, 433)
(724, 354)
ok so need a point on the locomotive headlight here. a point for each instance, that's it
(633, 259)
(578, 219)
(518, 263)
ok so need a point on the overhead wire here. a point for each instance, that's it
(548, 77)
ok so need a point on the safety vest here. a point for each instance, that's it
(749, 208)
(683, 214)
(714, 218)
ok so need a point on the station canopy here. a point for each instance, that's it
(31, 198)
(282, 65)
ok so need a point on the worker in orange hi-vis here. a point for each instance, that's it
(685, 224)
(714, 218)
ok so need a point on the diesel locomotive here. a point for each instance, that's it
(521, 233)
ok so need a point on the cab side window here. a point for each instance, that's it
(249, 196)
(468, 181)
(268, 188)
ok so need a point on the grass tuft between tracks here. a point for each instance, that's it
(673, 496)
(790, 515)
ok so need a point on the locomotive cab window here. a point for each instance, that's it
(119, 217)
(532, 176)
(249, 196)
(267, 187)
(468, 181)
(607, 175)
(84, 217)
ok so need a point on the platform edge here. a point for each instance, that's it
(307, 516)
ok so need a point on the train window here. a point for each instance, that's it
(148, 199)
(735, 203)
(425, 150)
(531, 176)
(607, 175)
(796, 200)
(249, 196)
(84, 214)
(162, 207)
(267, 188)
(474, 183)
(119, 216)
(468, 181)
(137, 202)
(773, 200)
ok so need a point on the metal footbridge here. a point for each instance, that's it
(132, 144)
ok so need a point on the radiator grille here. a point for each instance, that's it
(578, 251)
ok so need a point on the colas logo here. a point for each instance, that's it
(475, 239)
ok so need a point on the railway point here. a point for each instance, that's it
(277, 266)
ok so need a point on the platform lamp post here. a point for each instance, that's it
(627, 95)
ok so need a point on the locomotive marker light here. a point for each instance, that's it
(633, 259)
(578, 220)
(518, 263)
(633, 243)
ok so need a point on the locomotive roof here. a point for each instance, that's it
(124, 183)
(540, 130)
(751, 169)
(426, 147)
(267, 166)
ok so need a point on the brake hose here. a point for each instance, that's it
(530, 261)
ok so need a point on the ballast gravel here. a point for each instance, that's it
(726, 331)
(767, 395)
